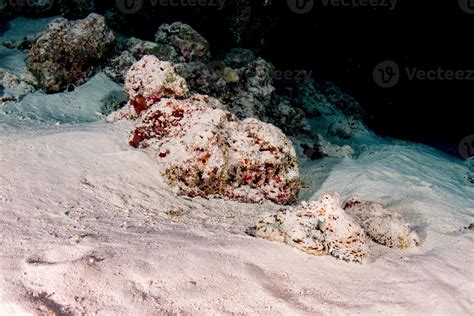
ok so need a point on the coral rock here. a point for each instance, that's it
(247, 90)
(320, 228)
(188, 43)
(16, 85)
(346, 128)
(254, 98)
(130, 51)
(205, 79)
(342, 101)
(70, 51)
(207, 151)
(118, 66)
(140, 48)
(384, 226)
(149, 80)
(290, 119)
(239, 57)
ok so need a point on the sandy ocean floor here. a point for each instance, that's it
(87, 226)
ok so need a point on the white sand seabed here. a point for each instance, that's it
(88, 226)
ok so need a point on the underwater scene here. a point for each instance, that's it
(236, 157)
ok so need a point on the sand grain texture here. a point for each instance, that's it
(88, 226)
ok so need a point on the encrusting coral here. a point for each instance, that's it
(129, 51)
(384, 226)
(149, 80)
(207, 151)
(203, 148)
(68, 52)
(187, 42)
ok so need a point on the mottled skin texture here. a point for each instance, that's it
(382, 225)
(323, 227)
(203, 148)
(320, 227)
(149, 80)
(207, 151)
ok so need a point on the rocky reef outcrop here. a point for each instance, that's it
(130, 50)
(69, 52)
(315, 114)
(308, 110)
(186, 42)
(203, 149)
(319, 117)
